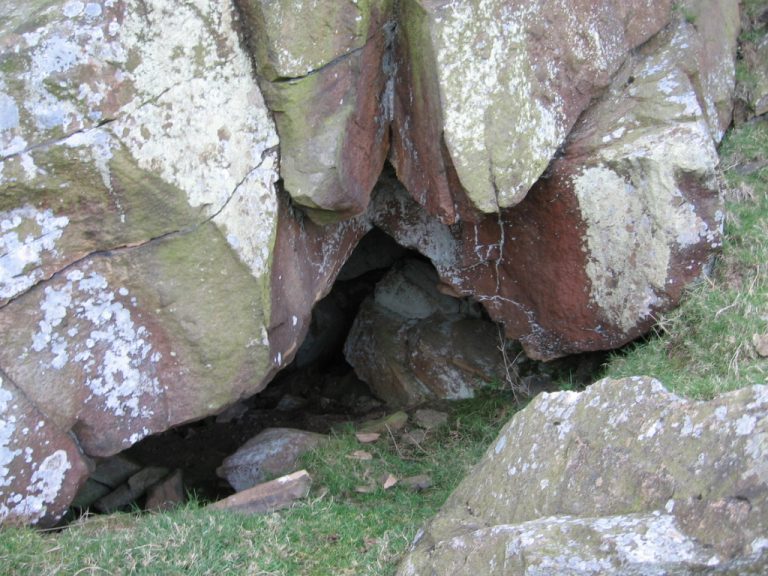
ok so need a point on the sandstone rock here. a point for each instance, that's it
(625, 216)
(430, 419)
(710, 58)
(41, 466)
(417, 483)
(409, 290)
(622, 478)
(412, 342)
(487, 91)
(269, 496)
(641, 545)
(137, 171)
(115, 470)
(328, 94)
(273, 452)
(166, 494)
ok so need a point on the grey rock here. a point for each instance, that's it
(623, 478)
(273, 452)
(429, 419)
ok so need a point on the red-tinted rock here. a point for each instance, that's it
(486, 92)
(41, 466)
(269, 496)
(329, 96)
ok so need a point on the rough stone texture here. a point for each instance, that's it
(166, 494)
(273, 452)
(139, 184)
(411, 342)
(269, 496)
(41, 466)
(752, 82)
(487, 90)
(622, 478)
(137, 170)
(623, 219)
(306, 260)
(324, 77)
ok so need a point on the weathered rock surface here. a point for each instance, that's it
(137, 170)
(488, 90)
(41, 466)
(623, 219)
(273, 452)
(411, 342)
(323, 75)
(268, 496)
(154, 267)
(624, 478)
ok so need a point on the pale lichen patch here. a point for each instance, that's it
(26, 235)
(115, 358)
(487, 87)
(636, 213)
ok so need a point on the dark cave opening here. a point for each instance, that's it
(320, 391)
(317, 392)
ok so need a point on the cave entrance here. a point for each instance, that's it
(387, 316)
(317, 392)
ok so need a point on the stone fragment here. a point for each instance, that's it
(166, 494)
(417, 483)
(430, 419)
(624, 477)
(118, 499)
(89, 493)
(146, 477)
(367, 437)
(268, 496)
(115, 470)
(272, 452)
(760, 342)
(390, 423)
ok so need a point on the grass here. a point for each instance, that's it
(335, 531)
(706, 346)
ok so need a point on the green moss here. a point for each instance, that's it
(210, 300)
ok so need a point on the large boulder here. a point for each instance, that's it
(624, 478)
(323, 70)
(488, 90)
(410, 342)
(625, 217)
(137, 171)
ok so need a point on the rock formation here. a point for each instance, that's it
(622, 478)
(181, 183)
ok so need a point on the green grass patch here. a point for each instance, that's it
(708, 345)
(337, 530)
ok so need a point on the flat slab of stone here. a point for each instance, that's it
(269, 496)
